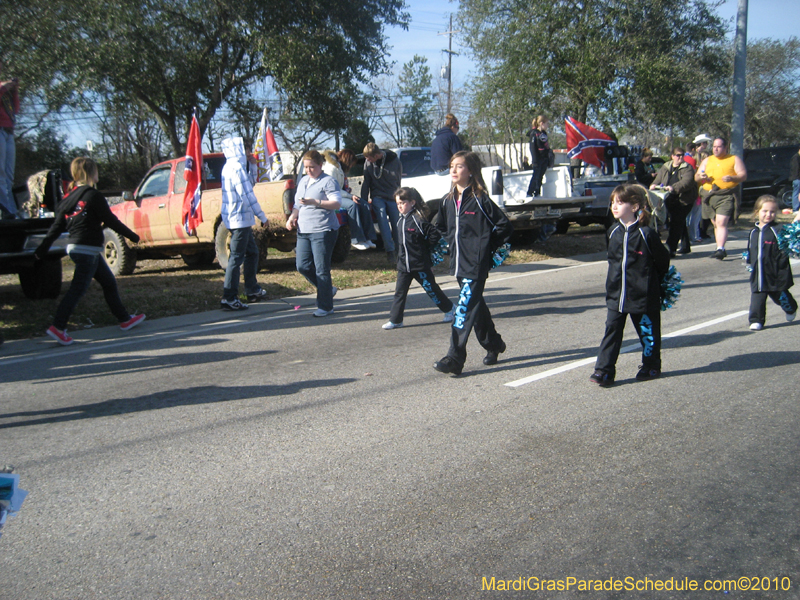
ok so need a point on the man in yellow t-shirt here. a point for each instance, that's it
(720, 175)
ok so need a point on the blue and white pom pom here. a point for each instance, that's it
(745, 259)
(500, 255)
(670, 288)
(789, 239)
(437, 254)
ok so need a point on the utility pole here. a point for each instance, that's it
(739, 68)
(449, 72)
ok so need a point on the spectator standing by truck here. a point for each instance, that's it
(540, 153)
(314, 216)
(445, 143)
(84, 213)
(382, 176)
(239, 211)
(9, 107)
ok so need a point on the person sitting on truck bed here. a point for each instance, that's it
(445, 143)
(338, 167)
(239, 211)
(382, 173)
(645, 172)
(83, 213)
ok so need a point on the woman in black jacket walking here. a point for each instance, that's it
(83, 213)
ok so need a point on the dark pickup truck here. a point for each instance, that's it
(20, 237)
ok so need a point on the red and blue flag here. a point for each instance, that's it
(193, 174)
(586, 143)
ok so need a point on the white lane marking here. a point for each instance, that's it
(629, 348)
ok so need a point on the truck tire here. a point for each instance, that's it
(120, 257)
(342, 247)
(198, 260)
(222, 241)
(222, 245)
(43, 280)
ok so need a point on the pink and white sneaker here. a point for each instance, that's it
(60, 336)
(132, 322)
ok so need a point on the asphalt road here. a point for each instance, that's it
(272, 455)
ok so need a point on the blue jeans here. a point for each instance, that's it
(313, 259)
(359, 217)
(535, 185)
(243, 250)
(388, 215)
(7, 159)
(88, 267)
(795, 191)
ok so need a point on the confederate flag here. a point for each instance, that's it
(270, 167)
(586, 143)
(193, 174)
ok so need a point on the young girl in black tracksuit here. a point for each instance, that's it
(772, 274)
(416, 239)
(475, 227)
(637, 261)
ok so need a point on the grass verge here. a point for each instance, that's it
(164, 288)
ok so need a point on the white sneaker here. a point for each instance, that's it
(756, 327)
(370, 244)
(359, 246)
(449, 317)
(390, 325)
(322, 313)
(790, 316)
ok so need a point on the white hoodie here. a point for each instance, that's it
(239, 204)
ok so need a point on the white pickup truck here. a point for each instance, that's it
(506, 190)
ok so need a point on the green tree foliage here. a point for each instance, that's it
(612, 59)
(415, 85)
(357, 135)
(772, 99)
(171, 56)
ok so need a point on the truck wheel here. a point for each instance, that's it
(288, 201)
(222, 245)
(43, 280)
(785, 197)
(342, 247)
(199, 260)
(120, 257)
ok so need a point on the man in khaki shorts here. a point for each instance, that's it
(720, 175)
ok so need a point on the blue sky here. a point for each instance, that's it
(778, 19)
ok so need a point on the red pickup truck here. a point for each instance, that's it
(155, 210)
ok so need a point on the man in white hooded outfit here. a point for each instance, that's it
(239, 211)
